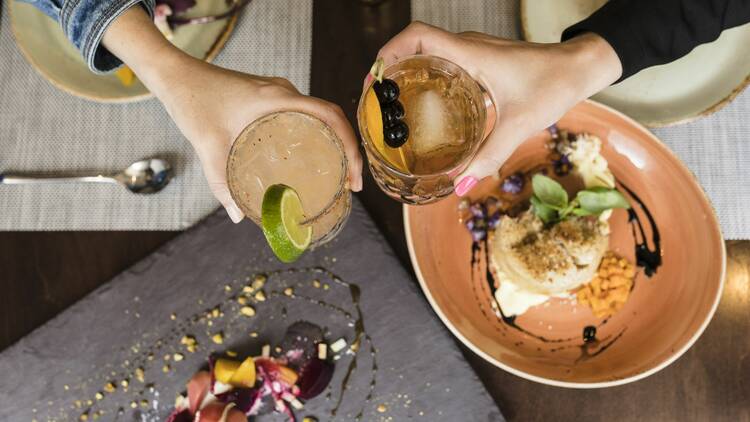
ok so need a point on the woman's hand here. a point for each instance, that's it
(532, 85)
(212, 105)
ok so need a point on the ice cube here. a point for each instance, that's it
(429, 123)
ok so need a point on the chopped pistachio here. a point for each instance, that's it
(248, 311)
(178, 357)
(289, 291)
(218, 338)
(260, 296)
(109, 387)
(242, 300)
(316, 283)
(259, 281)
(98, 395)
(231, 353)
(140, 375)
(338, 345)
(322, 351)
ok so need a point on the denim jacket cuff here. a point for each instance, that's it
(84, 23)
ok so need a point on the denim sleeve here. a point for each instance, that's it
(84, 23)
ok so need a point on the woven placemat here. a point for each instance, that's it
(715, 148)
(44, 129)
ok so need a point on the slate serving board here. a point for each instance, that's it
(129, 331)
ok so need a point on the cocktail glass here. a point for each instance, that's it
(297, 150)
(448, 115)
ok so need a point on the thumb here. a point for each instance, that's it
(221, 192)
(496, 149)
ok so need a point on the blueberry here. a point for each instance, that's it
(392, 113)
(386, 91)
(589, 333)
(396, 135)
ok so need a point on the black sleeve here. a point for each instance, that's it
(646, 33)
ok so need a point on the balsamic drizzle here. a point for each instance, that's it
(650, 260)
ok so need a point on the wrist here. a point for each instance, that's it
(591, 63)
(135, 40)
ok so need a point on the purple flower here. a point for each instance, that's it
(478, 235)
(562, 166)
(513, 184)
(478, 211)
(553, 130)
(494, 220)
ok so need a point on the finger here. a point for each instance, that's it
(214, 161)
(221, 192)
(492, 154)
(417, 38)
(334, 117)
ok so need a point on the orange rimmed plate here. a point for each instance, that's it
(665, 314)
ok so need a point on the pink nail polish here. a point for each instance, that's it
(368, 79)
(465, 185)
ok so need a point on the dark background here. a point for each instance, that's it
(42, 273)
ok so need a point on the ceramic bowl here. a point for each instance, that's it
(696, 85)
(666, 312)
(45, 47)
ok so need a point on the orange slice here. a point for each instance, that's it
(374, 119)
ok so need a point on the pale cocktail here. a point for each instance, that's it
(299, 151)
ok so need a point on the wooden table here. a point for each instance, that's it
(42, 273)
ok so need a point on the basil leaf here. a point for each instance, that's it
(567, 210)
(549, 191)
(544, 212)
(597, 200)
(580, 212)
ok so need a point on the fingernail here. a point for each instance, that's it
(234, 213)
(368, 78)
(465, 185)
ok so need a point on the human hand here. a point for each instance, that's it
(212, 105)
(532, 85)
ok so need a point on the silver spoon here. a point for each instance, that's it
(145, 176)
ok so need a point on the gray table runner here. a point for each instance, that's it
(56, 372)
(45, 129)
(716, 148)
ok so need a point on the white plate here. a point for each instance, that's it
(45, 47)
(696, 85)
